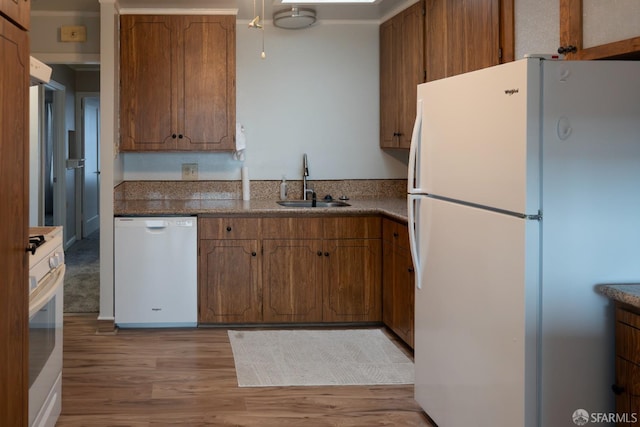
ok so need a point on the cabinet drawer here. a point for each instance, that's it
(229, 228)
(395, 232)
(628, 335)
(352, 227)
(291, 228)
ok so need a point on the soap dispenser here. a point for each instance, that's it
(283, 188)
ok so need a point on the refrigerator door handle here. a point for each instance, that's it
(412, 201)
(415, 141)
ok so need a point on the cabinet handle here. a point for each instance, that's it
(174, 136)
(567, 49)
(617, 389)
(319, 253)
(395, 234)
(228, 228)
(180, 136)
(410, 270)
(326, 254)
(397, 134)
(253, 254)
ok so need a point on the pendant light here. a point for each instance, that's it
(258, 23)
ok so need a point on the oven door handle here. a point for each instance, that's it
(46, 288)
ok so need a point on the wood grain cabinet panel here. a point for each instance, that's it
(14, 211)
(401, 70)
(352, 280)
(177, 83)
(292, 275)
(627, 385)
(18, 11)
(467, 35)
(398, 281)
(230, 287)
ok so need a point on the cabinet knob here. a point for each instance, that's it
(410, 270)
(395, 234)
(617, 389)
(180, 136)
(253, 254)
(319, 253)
(174, 136)
(228, 228)
(326, 254)
(567, 49)
(397, 134)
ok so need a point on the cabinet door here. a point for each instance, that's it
(467, 35)
(398, 291)
(14, 211)
(389, 83)
(148, 83)
(18, 11)
(351, 282)
(412, 70)
(229, 290)
(206, 70)
(401, 70)
(292, 280)
(573, 27)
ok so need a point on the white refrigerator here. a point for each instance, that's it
(524, 193)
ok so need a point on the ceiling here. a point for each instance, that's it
(376, 11)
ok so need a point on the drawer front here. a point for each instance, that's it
(292, 228)
(395, 232)
(352, 227)
(628, 335)
(229, 228)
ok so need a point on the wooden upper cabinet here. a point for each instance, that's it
(573, 29)
(177, 83)
(18, 11)
(401, 70)
(467, 35)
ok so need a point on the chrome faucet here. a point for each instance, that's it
(305, 174)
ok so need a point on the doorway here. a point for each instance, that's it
(88, 138)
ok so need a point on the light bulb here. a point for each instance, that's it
(263, 55)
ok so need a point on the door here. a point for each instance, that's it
(91, 170)
(470, 329)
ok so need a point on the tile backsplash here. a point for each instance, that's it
(260, 190)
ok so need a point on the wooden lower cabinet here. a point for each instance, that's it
(398, 281)
(627, 385)
(230, 290)
(292, 280)
(289, 270)
(351, 280)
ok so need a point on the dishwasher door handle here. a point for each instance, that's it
(156, 224)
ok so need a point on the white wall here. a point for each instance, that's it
(317, 92)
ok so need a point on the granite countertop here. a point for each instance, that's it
(395, 208)
(626, 293)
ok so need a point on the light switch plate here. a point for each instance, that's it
(73, 33)
(190, 171)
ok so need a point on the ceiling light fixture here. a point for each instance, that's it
(258, 23)
(294, 18)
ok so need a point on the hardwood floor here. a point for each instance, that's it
(186, 377)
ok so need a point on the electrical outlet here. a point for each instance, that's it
(190, 171)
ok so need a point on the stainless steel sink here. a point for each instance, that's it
(309, 204)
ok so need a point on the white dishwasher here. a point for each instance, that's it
(156, 274)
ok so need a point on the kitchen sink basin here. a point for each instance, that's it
(309, 203)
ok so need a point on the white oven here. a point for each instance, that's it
(46, 283)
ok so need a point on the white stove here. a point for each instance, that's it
(46, 282)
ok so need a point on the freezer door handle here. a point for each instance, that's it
(415, 141)
(413, 201)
